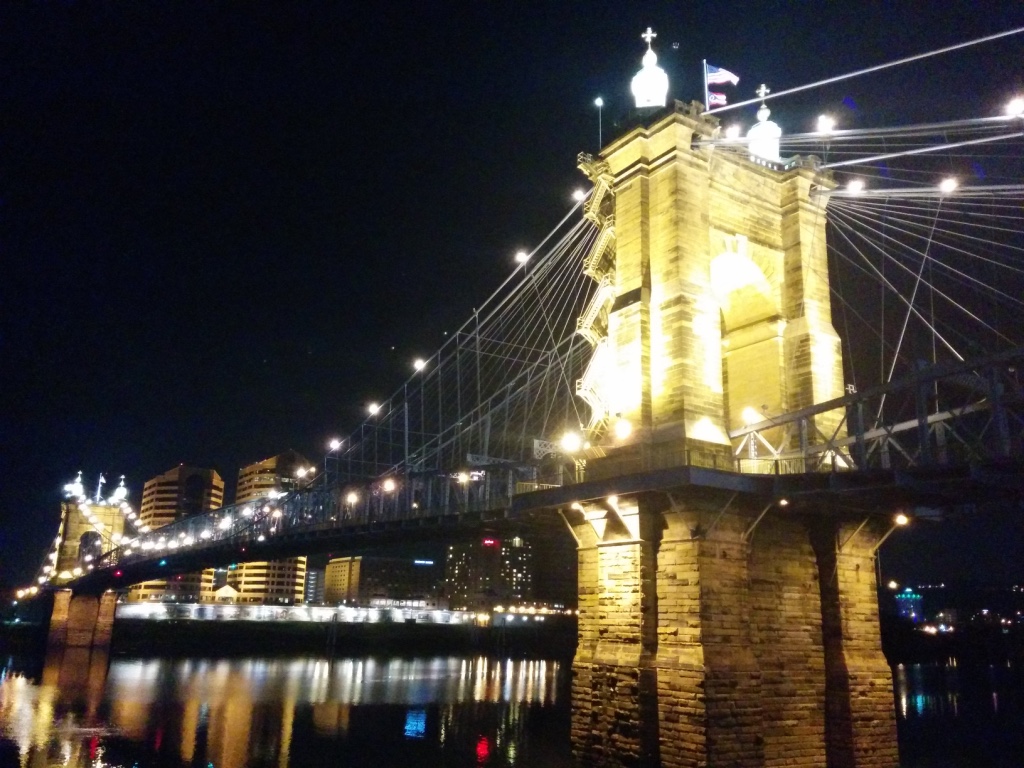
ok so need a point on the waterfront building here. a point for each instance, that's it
(213, 580)
(909, 605)
(382, 580)
(173, 495)
(485, 572)
(278, 582)
(314, 591)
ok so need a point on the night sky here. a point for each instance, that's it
(225, 227)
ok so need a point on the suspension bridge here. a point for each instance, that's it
(731, 369)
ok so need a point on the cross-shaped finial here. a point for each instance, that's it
(763, 91)
(648, 36)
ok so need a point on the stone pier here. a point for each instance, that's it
(81, 620)
(707, 641)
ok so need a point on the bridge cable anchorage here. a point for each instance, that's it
(868, 70)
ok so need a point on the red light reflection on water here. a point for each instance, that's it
(483, 750)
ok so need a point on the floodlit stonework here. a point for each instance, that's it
(703, 642)
(715, 631)
(718, 304)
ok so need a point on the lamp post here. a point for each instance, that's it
(304, 477)
(572, 443)
(599, 103)
(331, 458)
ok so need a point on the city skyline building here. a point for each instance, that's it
(313, 594)
(364, 580)
(276, 582)
(488, 571)
(909, 605)
(173, 495)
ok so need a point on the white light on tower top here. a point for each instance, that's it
(650, 84)
(120, 494)
(75, 489)
(764, 136)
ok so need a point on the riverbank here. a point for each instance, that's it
(183, 637)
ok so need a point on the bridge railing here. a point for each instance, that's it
(952, 414)
(387, 500)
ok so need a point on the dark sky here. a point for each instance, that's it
(226, 226)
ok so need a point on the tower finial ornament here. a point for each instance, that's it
(650, 84)
(763, 112)
(764, 135)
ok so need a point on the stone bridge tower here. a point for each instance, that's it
(713, 307)
(720, 624)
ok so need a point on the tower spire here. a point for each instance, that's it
(650, 84)
(764, 135)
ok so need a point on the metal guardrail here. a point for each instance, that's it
(352, 506)
(952, 414)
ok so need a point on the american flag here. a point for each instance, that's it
(716, 99)
(717, 76)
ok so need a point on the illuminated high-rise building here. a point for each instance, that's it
(368, 580)
(909, 605)
(278, 582)
(485, 572)
(314, 591)
(176, 494)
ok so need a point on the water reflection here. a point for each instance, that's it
(952, 715)
(56, 722)
(270, 712)
(939, 690)
(927, 690)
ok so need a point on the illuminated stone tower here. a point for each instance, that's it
(714, 629)
(713, 304)
(88, 528)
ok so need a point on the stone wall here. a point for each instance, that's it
(860, 715)
(81, 621)
(706, 642)
(722, 304)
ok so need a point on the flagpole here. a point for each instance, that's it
(707, 98)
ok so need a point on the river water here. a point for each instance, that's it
(389, 712)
